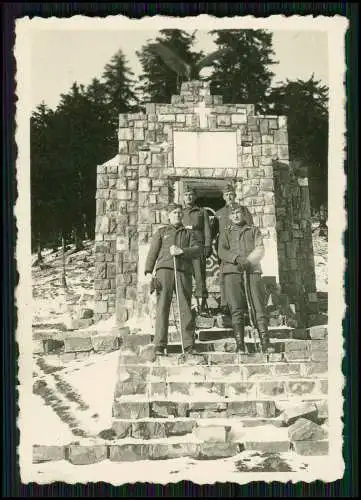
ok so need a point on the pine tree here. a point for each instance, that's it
(305, 103)
(241, 73)
(118, 84)
(158, 82)
(42, 157)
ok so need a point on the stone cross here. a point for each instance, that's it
(202, 112)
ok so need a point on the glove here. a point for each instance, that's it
(241, 263)
(207, 251)
(155, 285)
(174, 250)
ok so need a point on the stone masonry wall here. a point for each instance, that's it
(135, 187)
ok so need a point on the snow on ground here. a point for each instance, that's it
(85, 390)
(241, 468)
(93, 379)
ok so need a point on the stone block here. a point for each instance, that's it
(223, 120)
(313, 369)
(77, 344)
(301, 387)
(319, 356)
(122, 428)
(148, 430)
(322, 409)
(129, 452)
(179, 427)
(267, 185)
(146, 353)
(164, 409)
(239, 118)
(158, 389)
(246, 389)
(168, 118)
(213, 451)
(105, 343)
(280, 137)
(256, 372)
(318, 332)
(179, 388)
(125, 134)
(166, 451)
(267, 446)
(211, 433)
(145, 184)
(85, 455)
(236, 432)
(38, 347)
(207, 406)
(217, 358)
(130, 409)
(271, 388)
(133, 342)
(306, 430)
(133, 384)
(287, 370)
(205, 389)
(299, 410)
(48, 453)
(311, 448)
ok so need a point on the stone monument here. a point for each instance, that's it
(201, 141)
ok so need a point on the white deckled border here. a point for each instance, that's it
(327, 470)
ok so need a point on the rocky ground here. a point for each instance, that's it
(65, 406)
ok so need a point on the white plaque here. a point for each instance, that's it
(205, 149)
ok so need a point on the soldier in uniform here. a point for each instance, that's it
(241, 249)
(173, 240)
(229, 196)
(197, 219)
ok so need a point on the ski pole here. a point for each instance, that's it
(178, 303)
(249, 310)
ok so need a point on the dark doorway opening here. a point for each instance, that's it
(214, 202)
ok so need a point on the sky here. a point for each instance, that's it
(60, 57)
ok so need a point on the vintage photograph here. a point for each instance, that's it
(180, 220)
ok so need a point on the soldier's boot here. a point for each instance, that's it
(161, 351)
(204, 306)
(264, 338)
(239, 337)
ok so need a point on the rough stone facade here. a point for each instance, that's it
(135, 187)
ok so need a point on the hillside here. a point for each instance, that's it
(54, 304)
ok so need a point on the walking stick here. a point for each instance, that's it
(178, 304)
(250, 310)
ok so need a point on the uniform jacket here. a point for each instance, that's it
(245, 242)
(223, 217)
(159, 253)
(197, 217)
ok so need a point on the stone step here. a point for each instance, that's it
(293, 350)
(214, 443)
(151, 428)
(276, 388)
(227, 373)
(133, 407)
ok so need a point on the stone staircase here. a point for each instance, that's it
(218, 403)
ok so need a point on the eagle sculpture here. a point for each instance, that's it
(184, 71)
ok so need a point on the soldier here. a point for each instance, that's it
(197, 219)
(169, 241)
(229, 196)
(241, 249)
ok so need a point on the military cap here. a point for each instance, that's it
(173, 206)
(235, 206)
(228, 188)
(189, 189)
